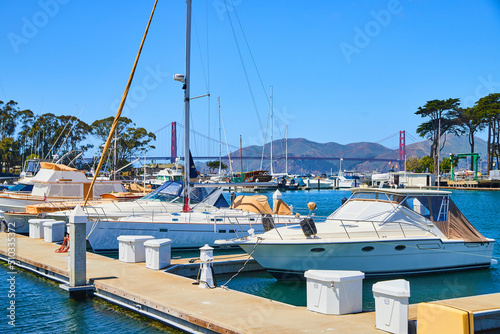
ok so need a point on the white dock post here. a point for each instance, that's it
(206, 257)
(277, 196)
(77, 286)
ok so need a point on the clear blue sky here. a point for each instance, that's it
(342, 71)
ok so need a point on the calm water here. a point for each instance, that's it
(41, 307)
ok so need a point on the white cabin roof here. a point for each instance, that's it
(402, 191)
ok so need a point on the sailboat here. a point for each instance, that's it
(188, 228)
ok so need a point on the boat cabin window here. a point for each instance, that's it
(21, 187)
(172, 191)
(368, 195)
(434, 208)
(169, 191)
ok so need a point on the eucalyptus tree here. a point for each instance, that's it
(441, 121)
(8, 119)
(54, 136)
(13, 151)
(130, 140)
(70, 143)
(26, 119)
(489, 109)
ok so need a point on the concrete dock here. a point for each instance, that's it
(174, 300)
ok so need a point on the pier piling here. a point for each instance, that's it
(77, 286)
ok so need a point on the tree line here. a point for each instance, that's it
(447, 116)
(24, 135)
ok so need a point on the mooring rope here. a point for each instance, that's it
(259, 240)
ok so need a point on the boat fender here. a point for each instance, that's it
(344, 199)
(308, 227)
(267, 222)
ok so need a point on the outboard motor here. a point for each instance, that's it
(308, 227)
(267, 222)
(282, 183)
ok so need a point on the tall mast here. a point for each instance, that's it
(286, 150)
(241, 157)
(220, 142)
(187, 80)
(272, 130)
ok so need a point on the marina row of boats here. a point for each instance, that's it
(379, 231)
(376, 230)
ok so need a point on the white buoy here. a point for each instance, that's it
(206, 276)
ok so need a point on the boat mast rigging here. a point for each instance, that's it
(187, 79)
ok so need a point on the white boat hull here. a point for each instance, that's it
(318, 184)
(18, 203)
(103, 237)
(388, 257)
(18, 222)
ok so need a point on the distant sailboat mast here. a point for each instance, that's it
(286, 150)
(220, 143)
(187, 79)
(271, 102)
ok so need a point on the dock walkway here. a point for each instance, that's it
(176, 301)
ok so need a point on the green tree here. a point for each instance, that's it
(57, 136)
(70, 144)
(420, 165)
(10, 117)
(213, 165)
(445, 166)
(131, 141)
(26, 120)
(442, 121)
(7, 152)
(489, 109)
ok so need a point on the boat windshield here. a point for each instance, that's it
(172, 191)
(432, 207)
(21, 187)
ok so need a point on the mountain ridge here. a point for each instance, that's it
(301, 147)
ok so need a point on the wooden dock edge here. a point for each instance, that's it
(169, 316)
(486, 307)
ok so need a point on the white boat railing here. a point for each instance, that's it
(379, 233)
(255, 219)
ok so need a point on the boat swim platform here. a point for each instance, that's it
(174, 300)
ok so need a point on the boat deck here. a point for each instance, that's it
(176, 300)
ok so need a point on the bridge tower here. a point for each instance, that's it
(173, 143)
(402, 150)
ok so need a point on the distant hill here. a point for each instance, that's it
(300, 147)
